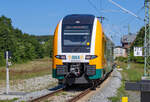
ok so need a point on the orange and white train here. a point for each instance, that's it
(81, 51)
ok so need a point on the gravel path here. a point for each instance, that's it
(134, 96)
(109, 89)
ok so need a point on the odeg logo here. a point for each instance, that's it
(75, 57)
(77, 22)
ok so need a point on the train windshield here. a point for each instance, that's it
(76, 38)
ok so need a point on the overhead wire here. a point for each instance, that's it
(101, 7)
(129, 19)
(139, 11)
(125, 10)
(97, 10)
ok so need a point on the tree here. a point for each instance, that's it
(23, 46)
(139, 42)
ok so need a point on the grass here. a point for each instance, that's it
(63, 93)
(120, 93)
(27, 70)
(18, 72)
(9, 100)
(133, 74)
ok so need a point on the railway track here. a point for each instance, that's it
(75, 98)
(85, 92)
(82, 94)
(39, 99)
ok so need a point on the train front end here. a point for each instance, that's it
(75, 57)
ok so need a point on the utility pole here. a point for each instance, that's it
(147, 39)
(7, 72)
(128, 48)
(144, 85)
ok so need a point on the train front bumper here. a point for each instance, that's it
(89, 70)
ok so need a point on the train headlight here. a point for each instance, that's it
(61, 57)
(88, 57)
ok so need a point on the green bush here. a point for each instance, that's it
(2, 59)
(122, 59)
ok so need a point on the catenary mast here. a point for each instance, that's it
(147, 39)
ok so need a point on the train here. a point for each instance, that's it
(82, 53)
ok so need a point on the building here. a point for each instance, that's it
(127, 40)
(119, 52)
(42, 42)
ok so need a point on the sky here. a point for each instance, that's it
(40, 17)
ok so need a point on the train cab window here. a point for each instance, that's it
(75, 36)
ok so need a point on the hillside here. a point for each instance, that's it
(44, 38)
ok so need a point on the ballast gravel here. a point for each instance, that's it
(28, 86)
(36, 83)
(32, 84)
(33, 95)
(109, 89)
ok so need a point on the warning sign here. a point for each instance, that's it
(138, 51)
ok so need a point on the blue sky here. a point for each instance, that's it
(40, 17)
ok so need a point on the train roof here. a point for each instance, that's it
(81, 19)
(78, 18)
